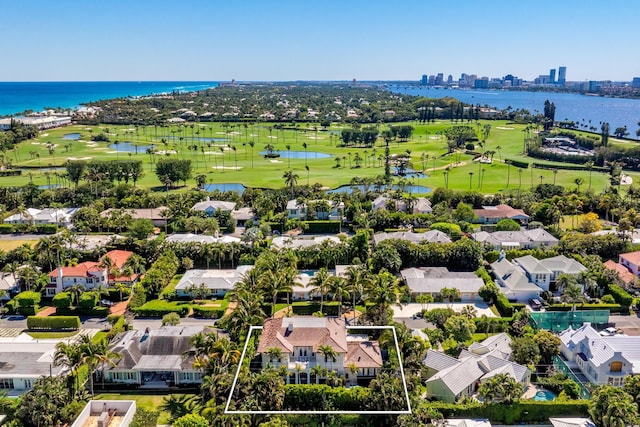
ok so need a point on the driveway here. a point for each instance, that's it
(630, 325)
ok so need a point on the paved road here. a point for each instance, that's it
(630, 325)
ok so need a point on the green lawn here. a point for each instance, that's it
(43, 167)
(146, 402)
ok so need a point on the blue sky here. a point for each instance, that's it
(316, 40)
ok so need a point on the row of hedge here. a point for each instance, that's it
(208, 312)
(53, 323)
(160, 273)
(571, 167)
(11, 172)
(621, 296)
(33, 228)
(313, 397)
(523, 412)
(158, 308)
(517, 163)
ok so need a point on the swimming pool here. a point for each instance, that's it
(544, 395)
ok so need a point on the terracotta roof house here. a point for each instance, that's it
(119, 259)
(153, 214)
(493, 214)
(626, 276)
(154, 357)
(298, 342)
(631, 260)
(88, 274)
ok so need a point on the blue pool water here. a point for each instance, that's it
(71, 136)
(417, 189)
(544, 395)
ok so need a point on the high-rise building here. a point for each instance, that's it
(562, 75)
(552, 75)
(440, 79)
(450, 79)
(425, 80)
(635, 83)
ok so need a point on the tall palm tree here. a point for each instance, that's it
(95, 354)
(68, 355)
(321, 283)
(339, 290)
(252, 144)
(358, 279)
(290, 180)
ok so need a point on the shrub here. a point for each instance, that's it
(608, 299)
(114, 294)
(46, 228)
(158, 308)
(53, 323)
(507, 225)
(321, 227)
(621, 296)
(88, 300)
(6, 229)
(452, 230)
(208, 312)
(28, 298)
(62, 300)
(139, 297)
(504, 306)
(118, 325)
(171, 319)
(315, 396)
(517, 163)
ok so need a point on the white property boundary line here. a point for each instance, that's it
(307, 412)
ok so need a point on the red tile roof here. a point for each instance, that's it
(364, 354)
(83, 269)
(118, 257)
(317, 332)
(623, 272)
(499, 211)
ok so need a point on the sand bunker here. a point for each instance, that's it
(101, 148)
(504, 128)
(275, 161)
(236, 168)
(162, 152)
(45, 134)
(79, 158)
(35, 143)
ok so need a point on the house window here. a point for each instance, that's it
(28, 383)
(615, 367)
(615, 381)
(6, 383)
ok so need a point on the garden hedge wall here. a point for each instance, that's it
(159, 308)
(208, 312)
(53, 323)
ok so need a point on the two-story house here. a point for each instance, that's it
(631, 260)
(306, 345)
(88, 274)
(602, 359)
(544, 272)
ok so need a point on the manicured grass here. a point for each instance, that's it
(99, 336)
(172, 285)
(7, 245)
(51, 335)
(146, 402)
(256, 171)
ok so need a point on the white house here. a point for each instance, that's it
(201, 238)
(524, 239)
(297, 344)
(158, 356)
(450, 379)
(513, 281)
(23, 360)
(420, 205)
(210, 207)
(544, 272)
(88, 274)
(433, 236)
(631, 260)
(216, 282)
(602, 359)
(9, 285)
(302, 242)
(61, 217)
(431, 280)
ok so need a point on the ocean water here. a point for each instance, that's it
(16, 97)
(590, 110)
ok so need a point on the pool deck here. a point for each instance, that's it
(530, 391)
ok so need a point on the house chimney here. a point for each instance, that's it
(290, 328)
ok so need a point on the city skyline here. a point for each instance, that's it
(289, 40)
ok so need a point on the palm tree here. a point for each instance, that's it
(358, 279)
(95, 354)
(288, 147)
(321, 283)
(252, 144)
(304, 145)
(68, 355)
(339, 290)
(572, 293)
(290, 180)
(329, 353)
